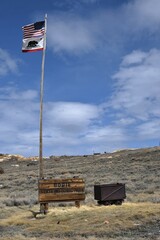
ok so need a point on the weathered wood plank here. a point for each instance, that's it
(61, 197)
(61, 185)
(69, 180)
(61, 190)
(70, 189)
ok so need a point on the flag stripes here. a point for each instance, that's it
(33, 37)
(33, 30)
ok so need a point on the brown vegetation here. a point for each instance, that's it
(1, 170)
(137, 218)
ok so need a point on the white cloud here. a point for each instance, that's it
(72, 127)
(11, 93)
(105, 29)
(105, 138)
(7, 63)
(19, 115)
(149, 130)
(124, 121)
(79, 128)
(134, 58)
(143, 14)
(71, 116)
(71, 34)
(65, 123)
(134, 105)
(69, 127)
(105, 135)
(137, 85)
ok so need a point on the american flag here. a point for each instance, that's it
(34, 30)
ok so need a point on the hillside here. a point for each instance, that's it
(138, 169)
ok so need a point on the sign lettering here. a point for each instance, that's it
(51, 190)
(62, 185)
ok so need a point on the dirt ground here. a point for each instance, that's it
(137, 218)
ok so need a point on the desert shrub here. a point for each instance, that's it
(89, 199)
(19, 202)
(2, 205)
(1, 170)
(154, 199)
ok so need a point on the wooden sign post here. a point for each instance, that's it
(60, 190)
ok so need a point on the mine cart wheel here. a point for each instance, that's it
(77, 204)
(118, 202)
(106, 203)
(100, 202)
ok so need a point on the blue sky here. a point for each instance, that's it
(102, 77)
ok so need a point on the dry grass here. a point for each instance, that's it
(102, 222)
(137, 218)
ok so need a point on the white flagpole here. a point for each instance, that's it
(41, 164)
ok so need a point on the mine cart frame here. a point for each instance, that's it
(108, 194)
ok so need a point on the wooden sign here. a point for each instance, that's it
(52, 190)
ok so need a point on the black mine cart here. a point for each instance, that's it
(108, 194)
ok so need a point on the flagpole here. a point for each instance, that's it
(41, 163)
